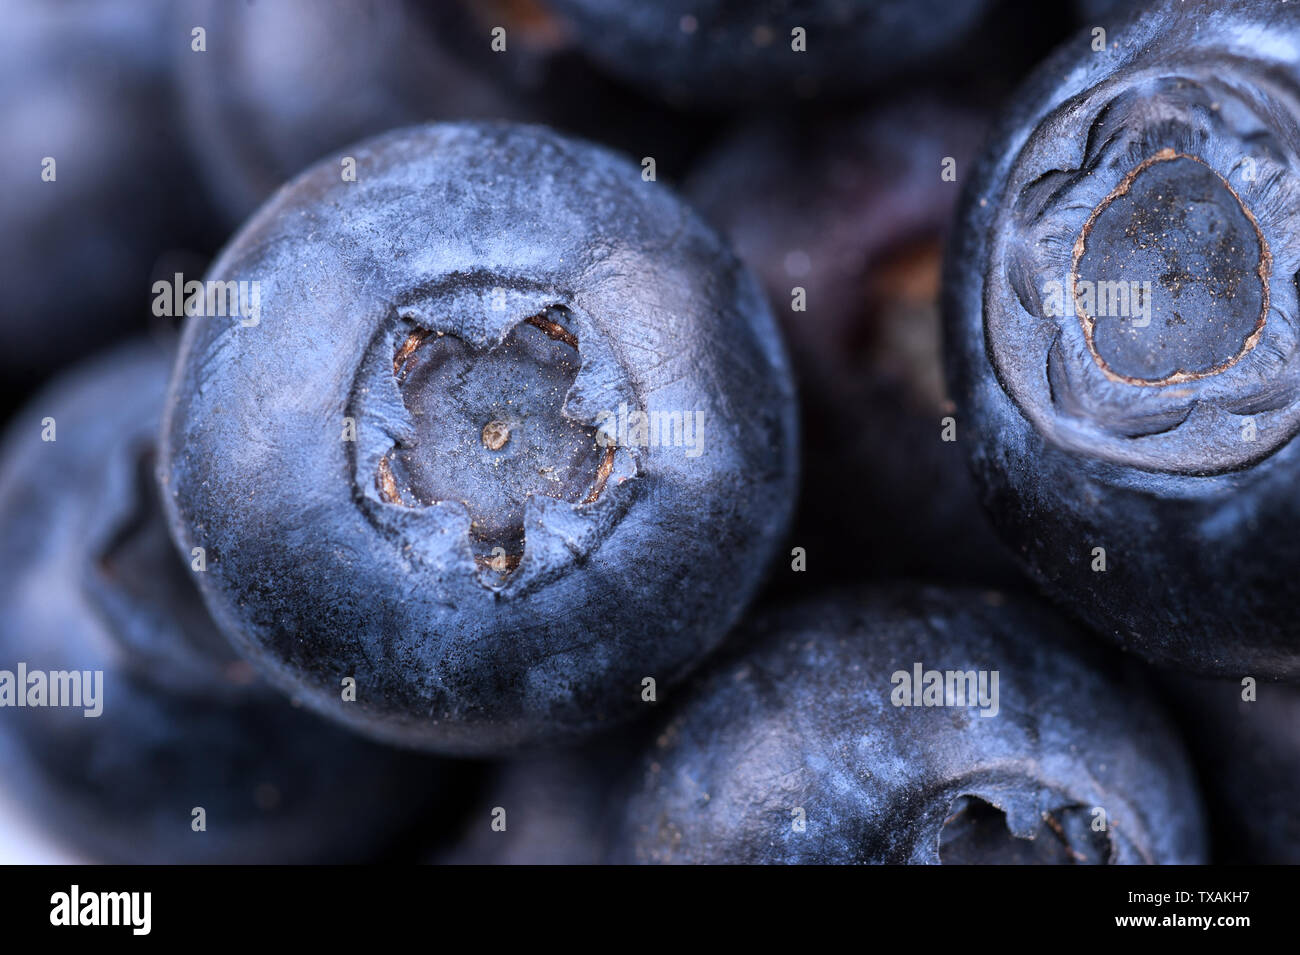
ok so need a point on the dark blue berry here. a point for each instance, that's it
(90, 581)
(423, 468)
(1123, 332)
(808, 746)
(727, 52)
(94, 189)
(847, 241)
(1244, 738)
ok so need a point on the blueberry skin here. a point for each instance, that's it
(1186, 480)
(86, 84)
(278, 86)
(1247, 755)
(854, 212)
(735, 52)
(1103, 12)
(801, 719)
(420, 292)
(558, 806)
(89, 580)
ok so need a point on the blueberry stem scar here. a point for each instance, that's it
(1089, 322)
(495, 435)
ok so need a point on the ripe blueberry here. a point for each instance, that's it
(278, 85)
(816, 743)
(90, 581)
(847, 241)
(91, 195)
(1245, 743)
(549, 809)
(510, 444)
(1124, 334)
(723, 52)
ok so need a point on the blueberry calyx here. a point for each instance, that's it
(1129, 311)
(979, 832)
(490, 431)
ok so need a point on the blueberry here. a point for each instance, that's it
(282, 83)
(1104, 13)
(505, 553)
(1245, 742)
(727, 52)
(1124, 334)
(548, 809)
(814, 745)
(847, 242)
(90, 582)
(92, 195)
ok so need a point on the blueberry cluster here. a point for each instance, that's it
(591, 431)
